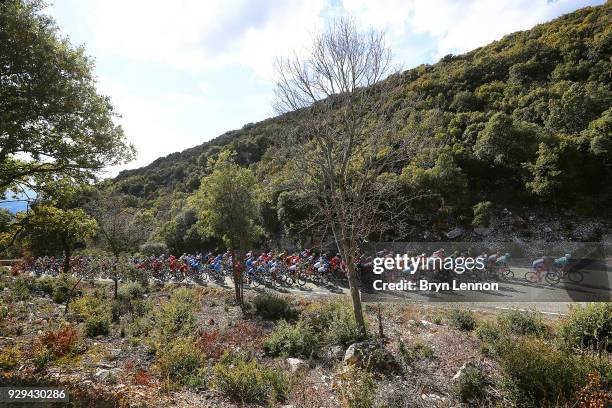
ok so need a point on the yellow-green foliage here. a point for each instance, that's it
(240, 377)
(181, 361)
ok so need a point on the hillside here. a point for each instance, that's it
(524, 123)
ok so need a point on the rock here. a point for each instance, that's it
(104, 374)
(295, 365)
(461, 371)
(454, 233)
(427, 324)
(333, 354)
(113, 354)
(370, 355)
(434, 398)
(482, 231)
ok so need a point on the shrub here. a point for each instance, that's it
(522, 323)
(489, 333)
(129, 300)
(21, 288)
(9, 357)
(418, 351)
(57, 288)
(244, 380)
(537, 375)
(42, 357)
(153, 249)
(46, 284)
(176, 317)
(97, 325)
(471, 385)
(288, 340)
(335, 321)
(588, 327)
(273, 307)
(181, 362)
(482, 213)
(356, 388)
(90, 306)
(61, 341)
(461, 319)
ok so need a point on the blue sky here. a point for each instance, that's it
(182, 72)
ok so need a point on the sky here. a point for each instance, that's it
(182, 72)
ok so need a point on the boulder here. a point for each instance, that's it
(482, 231)
(370, 355)
(454, 233)
(296, 365)
(333, 354)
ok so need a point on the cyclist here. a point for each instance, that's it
(563, 263)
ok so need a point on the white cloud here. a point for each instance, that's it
(194, 35)
(458, 26)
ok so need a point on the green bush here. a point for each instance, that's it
(241, 378)
(97, 325)
(471, 385)
(181, 362)
(129, 300)
(9, 357)
(273, 307)
(461, 319)
(335, 321)
(91, 305)
(536, 375)
(522, 323)
(288, 340)
(357, 388)
(418, 351)
(21, 288)
(490, 335)
(176, 317)
(588, 327)
(482, 213)
(42, 358)
(153, 248)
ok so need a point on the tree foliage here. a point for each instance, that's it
(53, 123)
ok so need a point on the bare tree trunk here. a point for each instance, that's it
(236, 273)
(67, 254)
(116, 278)
(351, 274)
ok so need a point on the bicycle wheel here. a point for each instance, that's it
(552, 278)
(507, 273)
(575, 276)
(532, 277)
(299, 279)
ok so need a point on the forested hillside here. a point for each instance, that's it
(524, 122)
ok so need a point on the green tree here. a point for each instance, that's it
(228, 209)
(49, 228)
(502, 142)
(545, 172)
(53, 123)
(599, 136)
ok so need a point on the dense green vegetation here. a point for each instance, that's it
(524, 121)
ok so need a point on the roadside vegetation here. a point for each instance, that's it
(173, 341)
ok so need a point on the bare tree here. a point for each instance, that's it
(120, 229)
(350, 155)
